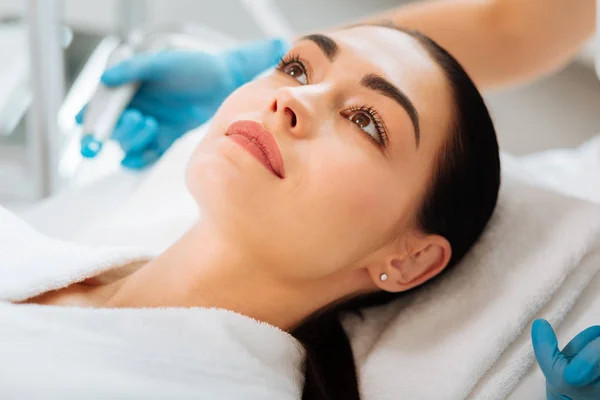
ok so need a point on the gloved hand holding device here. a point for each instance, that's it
(179, 90)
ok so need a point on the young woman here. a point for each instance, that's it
(365, 165)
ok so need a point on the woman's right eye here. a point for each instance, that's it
(296, 71)
(294, 67)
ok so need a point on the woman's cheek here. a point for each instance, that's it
(365, 200)
(357, 190)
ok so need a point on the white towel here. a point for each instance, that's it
(54, 352)
(574, 172)
(31, 263)
(539, 253)
(458, 338)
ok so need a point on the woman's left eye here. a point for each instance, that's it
(369, 123)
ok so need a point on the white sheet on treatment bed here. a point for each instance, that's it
(63, 215)
(573, 171)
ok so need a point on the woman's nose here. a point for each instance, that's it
(289, 113)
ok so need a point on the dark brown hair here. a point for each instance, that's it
(460, 201)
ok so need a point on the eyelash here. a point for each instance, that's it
(291, 58)
(377, 121)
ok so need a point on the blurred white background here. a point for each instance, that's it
(558, 111)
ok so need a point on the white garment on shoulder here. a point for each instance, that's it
(55, 352)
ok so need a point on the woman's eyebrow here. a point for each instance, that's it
(371, 81)
(325, 43)
(386, 88)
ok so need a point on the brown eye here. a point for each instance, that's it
(366, 120)
(296, 71)
(361, 119)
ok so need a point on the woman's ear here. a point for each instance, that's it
(429, 256)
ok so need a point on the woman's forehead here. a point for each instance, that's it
(403, 61)
(387, 48)
(395, 55)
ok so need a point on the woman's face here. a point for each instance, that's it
(359, 117)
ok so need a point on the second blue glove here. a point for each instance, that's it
(571, 374)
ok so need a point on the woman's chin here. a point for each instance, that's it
(224, 172)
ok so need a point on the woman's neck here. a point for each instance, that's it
(203, 270)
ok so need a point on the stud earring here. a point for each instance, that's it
(383, 277)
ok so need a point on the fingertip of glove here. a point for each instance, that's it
(537, 325)
(139, 161)
(112, 76)
(151, 123)
(542, 335)
(133, 163)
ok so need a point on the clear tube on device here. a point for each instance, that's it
(105, 107)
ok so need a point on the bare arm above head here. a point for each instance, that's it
(503, 42)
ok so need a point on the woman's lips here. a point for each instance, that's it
(252, 136)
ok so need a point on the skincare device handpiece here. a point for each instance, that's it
(105, 107)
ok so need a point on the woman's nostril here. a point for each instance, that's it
(292, 114)
(274, 106)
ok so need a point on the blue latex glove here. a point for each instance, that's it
(179, 91)
(574, 372)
